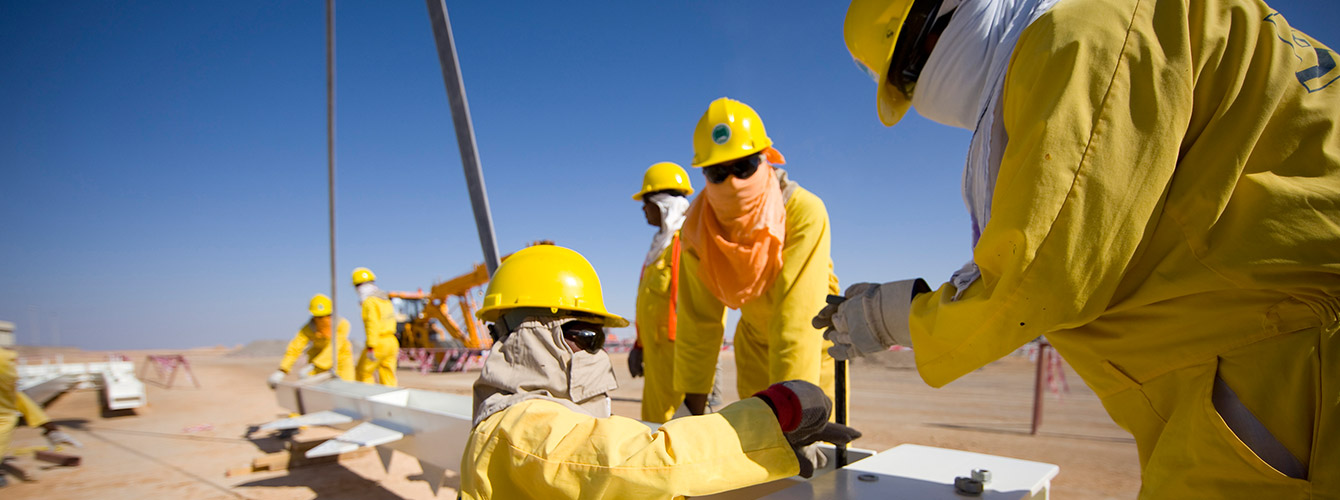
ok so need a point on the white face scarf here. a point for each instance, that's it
(366, 290)
(953, 89)
(672, 217)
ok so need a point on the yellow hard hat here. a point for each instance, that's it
(871, 30)
(729, 130)
(546, 276)
(662, 176)
(320, 305)
(363, 275)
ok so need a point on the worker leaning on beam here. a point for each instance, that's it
(14, 403)
(756, 241)
(315, 337)
(382, 351)
(664, 196)
(542, 424)
(1153, 186)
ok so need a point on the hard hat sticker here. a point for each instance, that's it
(720, 133)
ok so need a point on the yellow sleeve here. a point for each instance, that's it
(346, 370)
(370, 317)
(794, 345)
(378, 319)
(700, 324)
(32, 412)
(1094, 125)
(541, 449)
(295, 347)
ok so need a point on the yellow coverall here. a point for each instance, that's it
(542, 449)
(774, 340)
(318, 350)
(1168, 210)
(14, 403)
(657, 293)
(379, 324)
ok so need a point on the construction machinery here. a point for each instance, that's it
(426, 315)
(431, 336)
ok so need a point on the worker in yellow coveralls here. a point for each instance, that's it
(542, 424)
(1154, 186)
(664, 196)
(382, 351)
(14, 404)
(756, 241)
(315, 338)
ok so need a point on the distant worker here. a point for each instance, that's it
(1154, 186)
(14, 404)
(542, 424)
(756, 241)
(382, 351)
(665, 187)
(315, 337)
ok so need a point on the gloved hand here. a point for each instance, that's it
(635, 361)
(872, 319)
(275, 378)
(802, 411)
(56, 437)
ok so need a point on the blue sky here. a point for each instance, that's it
(165, 173)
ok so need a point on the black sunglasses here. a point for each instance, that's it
(590, 337)
(909, 54)
(742, 168)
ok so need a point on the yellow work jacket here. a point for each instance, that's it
(657, 296)
(542, 449)
(318, 349)
(781, 315)
(378, 320)
(1170, 191)
(13, 402)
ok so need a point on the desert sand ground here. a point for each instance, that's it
(180, 445)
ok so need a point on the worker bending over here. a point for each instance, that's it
(542, 424)
(382, 351)
(1154, 186)
(665, 188)
(756, 241)
(13, 404)
(315, 337)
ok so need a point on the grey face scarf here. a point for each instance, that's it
(534, 362)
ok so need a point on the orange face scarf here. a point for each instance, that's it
(737, 228)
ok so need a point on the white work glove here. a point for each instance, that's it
(275, 378)
(872, 319)
(58, 437)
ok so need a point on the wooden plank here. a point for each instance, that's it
(57, 458)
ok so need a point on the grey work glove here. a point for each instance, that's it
(873, 318)
(802, 411)
(57, 437)
(635, 361)
(275, 378)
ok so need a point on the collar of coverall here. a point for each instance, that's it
(532, 361)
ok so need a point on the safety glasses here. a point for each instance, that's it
(909, 54)
(742, 168)
(589, 337)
